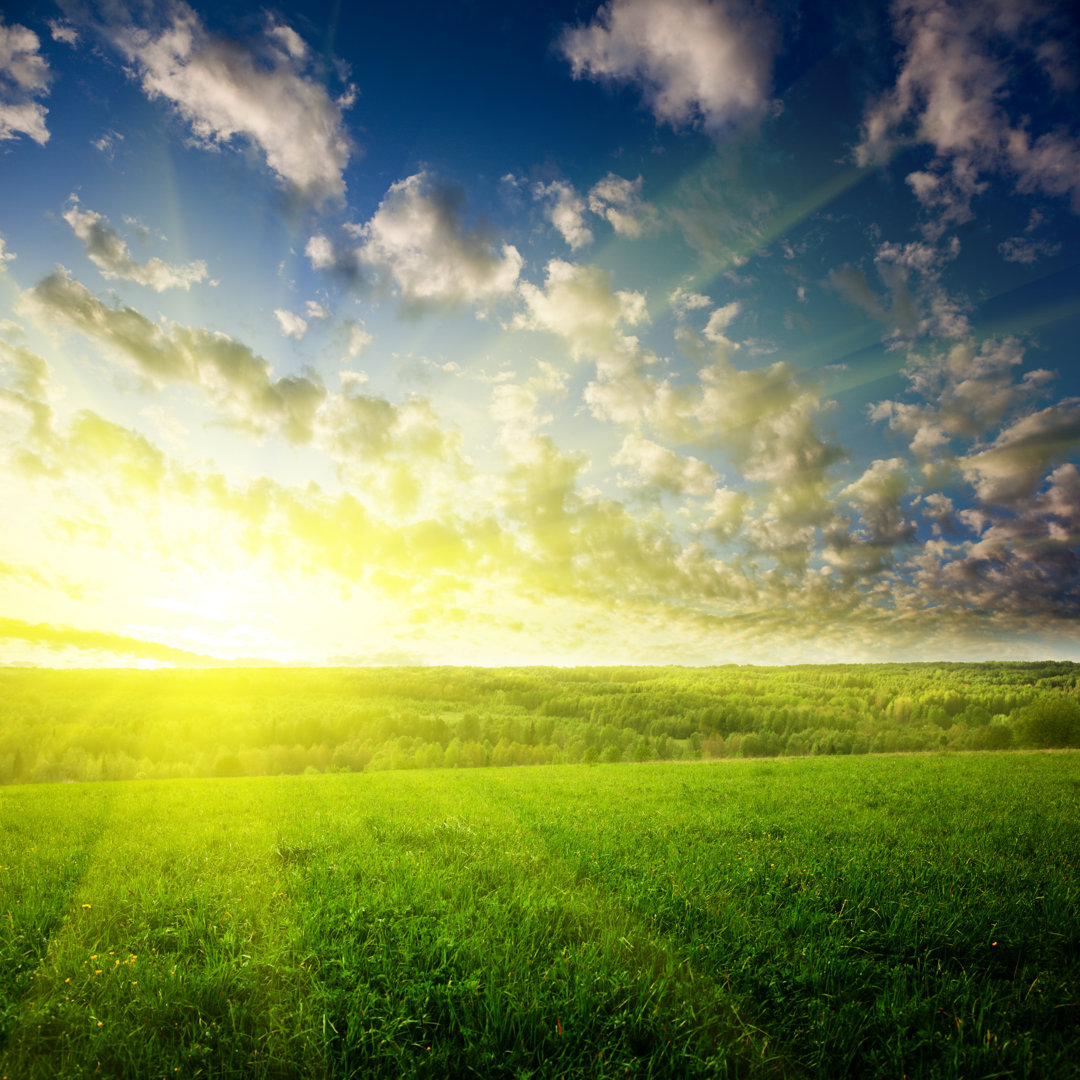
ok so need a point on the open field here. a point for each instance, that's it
(844, 917)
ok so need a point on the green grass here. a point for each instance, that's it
(837, 917)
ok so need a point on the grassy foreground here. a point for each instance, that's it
(894, 916)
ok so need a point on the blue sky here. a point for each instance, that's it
(673, 332)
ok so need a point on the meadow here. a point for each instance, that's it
(876, 916)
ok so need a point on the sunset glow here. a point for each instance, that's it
(658, 331)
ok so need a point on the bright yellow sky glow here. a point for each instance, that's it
(658, 334)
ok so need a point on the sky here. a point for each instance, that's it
(653, 332)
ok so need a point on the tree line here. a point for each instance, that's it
(111, 724)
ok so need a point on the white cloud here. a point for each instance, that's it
(418, 239)
(682, 302)
(314, 310)
(765, 420)
(320, 251)
(1015, 463)
(370, 438)
(27, 398)
(107, 142)
(726, 510)
(965, 392)
(566, 211)
(266, 95)
(1027, 249)
(952, 92)
(579, 304)
(352, 380)
(234, 378)
(516, 406)
(878, 494)
(63, 31)
(106, 249)
(720, 320)
(619, 202)
(357, 339)
(5, 255)
(290, 40)
(695, 61)
(291, 325)
(918, 303)
(660, 468)
(24, 76)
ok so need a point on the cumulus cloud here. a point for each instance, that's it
(916, 303)
(266, 93)
(24, 77)
(109, 252)
(320, 251)
(292, 325)
(658, 467)
(618, 201)
(684, 301)
(1027, 249)
(694, 61)
(579, 304)
(878, 496)
(237, 380)
(565, 210)
(720, 320)
(27, 397)
(1023, 560)
(358, 430)
(417, 238)
(941, 510)
(952, 93)
(336, 256)
(963, 392)
(394, 451)
(62, 30)
(516, 407)
(1061, 500)
(357, 339)
(766, 420)
(853, 284)
(1016, 462)
(725, 511)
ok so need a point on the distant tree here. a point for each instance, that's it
(751, 745)
(1052, 720)
(452, 754)
(228, 765)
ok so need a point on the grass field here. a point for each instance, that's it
(841, 917)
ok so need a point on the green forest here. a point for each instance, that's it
(110, 724)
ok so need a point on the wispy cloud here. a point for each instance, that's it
(109, 252)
